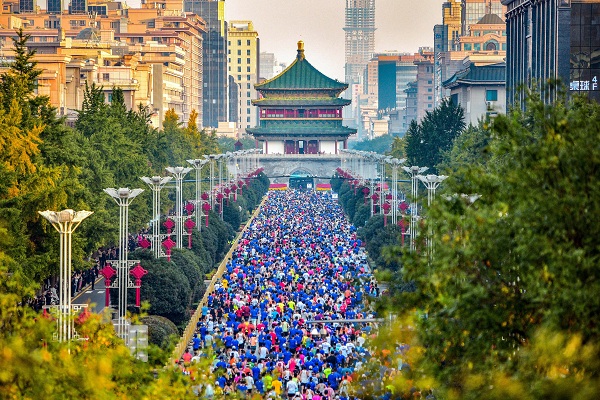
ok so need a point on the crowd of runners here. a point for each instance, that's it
(278, 322)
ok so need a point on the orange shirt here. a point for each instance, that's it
(277, 386)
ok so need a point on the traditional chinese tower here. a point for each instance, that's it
(301, 112)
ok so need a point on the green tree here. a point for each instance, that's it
(510, 292)
(381, 144)
(428, 140)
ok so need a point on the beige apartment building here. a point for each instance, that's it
(243, 65)
(153, 53)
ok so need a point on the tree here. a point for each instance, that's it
(381, 144)
(428, 140)
(511, 291)
(36, 366)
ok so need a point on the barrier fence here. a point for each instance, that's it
(188, 333)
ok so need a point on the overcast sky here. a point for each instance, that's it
(402, 25)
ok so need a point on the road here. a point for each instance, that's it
(95, 298)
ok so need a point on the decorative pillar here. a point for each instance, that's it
(156, 184)
(65, 222)
(179, 173)
(197, 164)
(123, 197)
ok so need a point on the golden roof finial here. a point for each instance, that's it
(300, 50)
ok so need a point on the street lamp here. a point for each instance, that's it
(197, 164)
(413, 172)
(179, 173)
(123, 197)
(65, 222)
(211, 160)
(156, 183)
(395, 164)
(431, 182)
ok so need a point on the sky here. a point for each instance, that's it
(402, 25)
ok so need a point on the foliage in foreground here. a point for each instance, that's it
(511, 292)
(34, 366)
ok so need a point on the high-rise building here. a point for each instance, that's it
(359, 37)
(424, 65)
(551, 39)
(243, 53)
(267, 63)
(451, 19)
(474, 10)
(214, 51)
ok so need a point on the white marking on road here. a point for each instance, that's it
(101, 291)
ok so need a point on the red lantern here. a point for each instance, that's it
(168, 244)
(189, 207)
(137, 273)
(169, 224)
(206, 209)
(204, 196)
(145, 243)
(189, 225)
(107, 272)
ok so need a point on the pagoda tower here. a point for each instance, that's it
(301, 112)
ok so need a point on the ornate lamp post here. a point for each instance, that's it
(413, 172)
(65, 222)
(179, 173)
(123, 197)
(395, 163)
(431, 182)
(156, 183)
(211, 163)
(197, 164)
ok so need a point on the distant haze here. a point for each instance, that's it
(402, 25)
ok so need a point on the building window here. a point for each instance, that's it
(239, 69)
(247, 102)
(247, 69)
(248, 52)
(239, 78)
(105, 77)
(247, 43)
(248, 111)
(239, 61)
(248, 85)
(491, 95)
(247, 60)
(477, 46)
(239, 42)
(454, 99)
(248, 120)
(248, 95)
(239, 52)
(247, 77)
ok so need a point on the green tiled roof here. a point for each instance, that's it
(334, 101)
(485, 74)
(301, 75)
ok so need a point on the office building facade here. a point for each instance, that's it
(243, 65)
(214, 68)
(552, 39)
(359, 31)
